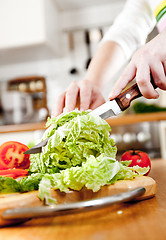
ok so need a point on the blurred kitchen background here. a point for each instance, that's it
(44, 46)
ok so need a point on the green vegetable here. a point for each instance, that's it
(79, 153)
(8, 185)
(73, 141)
(30, 183)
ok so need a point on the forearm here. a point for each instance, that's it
(108, 59)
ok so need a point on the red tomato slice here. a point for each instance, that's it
(12, 155)
(9, 175)
(14, 172)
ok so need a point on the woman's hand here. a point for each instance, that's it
(82, 94)
(148, 60)
(86, 94)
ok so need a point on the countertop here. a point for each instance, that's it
(140, 220)
(123, 119)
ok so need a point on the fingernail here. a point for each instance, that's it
(54, 115)
(156, 97)
(65, 110)
(110, 96)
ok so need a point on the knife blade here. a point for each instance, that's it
(70, 208)
(37, 148)
(106, 110)
(120, 103)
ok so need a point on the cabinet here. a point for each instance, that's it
(35, 86)
(29, 30)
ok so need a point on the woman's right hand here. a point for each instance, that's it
(82, 94)
(86, 94)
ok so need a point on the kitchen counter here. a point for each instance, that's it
(114, 121)
(22, 127)
(127, 119)
(139, 221)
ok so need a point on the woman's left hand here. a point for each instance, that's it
(148, 60)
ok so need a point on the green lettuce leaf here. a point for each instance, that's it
(30, 183)
(8, 185)
(94, 173)
(73, 141)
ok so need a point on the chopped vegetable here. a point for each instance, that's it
(79, 153)
(81, 149)
(30, 183)
(14, 172)
(12, 156)
(8, 185)
(73, 141)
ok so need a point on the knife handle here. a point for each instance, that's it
(125, 98)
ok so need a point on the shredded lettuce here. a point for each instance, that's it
(31, 182)
(73, 141)
(83, 154)
(79, 153)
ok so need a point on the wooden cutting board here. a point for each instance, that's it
(30, 199)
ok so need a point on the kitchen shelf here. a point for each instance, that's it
(22, 127)
(136, 118)
(114, 121)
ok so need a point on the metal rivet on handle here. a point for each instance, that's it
(128, 96)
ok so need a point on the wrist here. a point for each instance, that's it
(107, 61)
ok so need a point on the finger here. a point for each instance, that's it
(60, 103)
(143, 80)
(97, 98)
(127, 76)
(71, 96)
(99, 101)
(164, 66)
(85, 95)
(158, 73)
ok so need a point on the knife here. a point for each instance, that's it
(106, 110)
(70, 208)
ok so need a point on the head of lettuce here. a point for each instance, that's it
(80, 153)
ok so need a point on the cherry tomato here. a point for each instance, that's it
(12, 156)
(14, 173)
(139, 158)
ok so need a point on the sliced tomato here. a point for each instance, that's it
(12, 155)
(9, 175)
(14, 173)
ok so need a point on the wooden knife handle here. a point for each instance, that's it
(125, 98)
